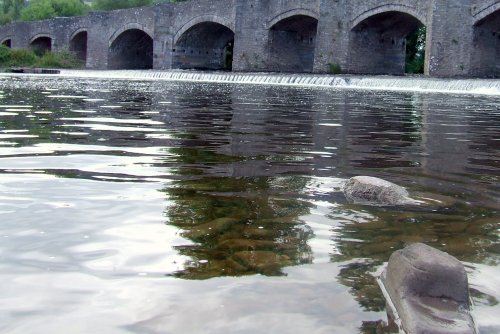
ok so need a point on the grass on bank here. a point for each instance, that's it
(30, 58)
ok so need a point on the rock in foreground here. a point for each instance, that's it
(372, 190)
(429, 291)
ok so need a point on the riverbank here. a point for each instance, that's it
(379, 83)
(11, 59)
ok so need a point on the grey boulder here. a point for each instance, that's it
(372, 190)
(429, 291)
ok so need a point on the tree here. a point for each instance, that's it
(44, 9)
(69, 7)
(13, 10)
(120, 4)
(415, 51)
(10, 10)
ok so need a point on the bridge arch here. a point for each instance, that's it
(387, 8)
(78, 44)
(202, 19)
(42, 43)
(378, 40)
(205, 42)
(292, 40)
(131, 47)
(485, 58)
(290, 13)
(7, 41)
(130, 26)
(482, 12)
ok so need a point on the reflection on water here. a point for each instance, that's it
(133, 185)
(239, 226)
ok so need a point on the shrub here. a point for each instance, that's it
(22, 57)
(4, 54)
(60, 59)
(44, 9)
(334, 68)
(415, 51)
(29, 58)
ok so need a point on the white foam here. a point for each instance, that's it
(381, 83)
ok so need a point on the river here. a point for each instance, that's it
(144, 203)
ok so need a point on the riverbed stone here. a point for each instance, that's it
(373, 190)
(265, 262)
(209, 229)
(234, 245)
(429, 291)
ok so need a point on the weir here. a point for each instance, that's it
(386, 83)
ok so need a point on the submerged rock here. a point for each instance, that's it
(372, 190)
(265, 262)
(429, 291)
(210, 229)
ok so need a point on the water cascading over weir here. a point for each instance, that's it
(309, 36)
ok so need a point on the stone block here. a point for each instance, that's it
(429, 291)
(372, 190)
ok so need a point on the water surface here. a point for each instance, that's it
(182, 207)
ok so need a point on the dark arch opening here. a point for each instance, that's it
(486, 50)
(41, 45)
(78, 45)
(388, 43)
(204, 46)
(7, 43)
(132, 49)
(292, 44)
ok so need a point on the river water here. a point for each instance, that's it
(151, 206)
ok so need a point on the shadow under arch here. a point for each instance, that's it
(378, 40)
(131, 49)
(204, 45)
(41, 43)
(78, 44)
(292, 41)
(485, 58)
(7, 42)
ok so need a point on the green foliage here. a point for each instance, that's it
(21, 57)
(28, 58)
(44, 9)
(4, 54)
(60, 59)
(37, 10)
(14, 10)
(334, 68)
(415, 51)
(69, 7)
(10, 10)
(120, 4)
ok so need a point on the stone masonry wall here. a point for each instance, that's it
(253, 43)
(359, 36)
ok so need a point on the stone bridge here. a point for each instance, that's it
(360, 36)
